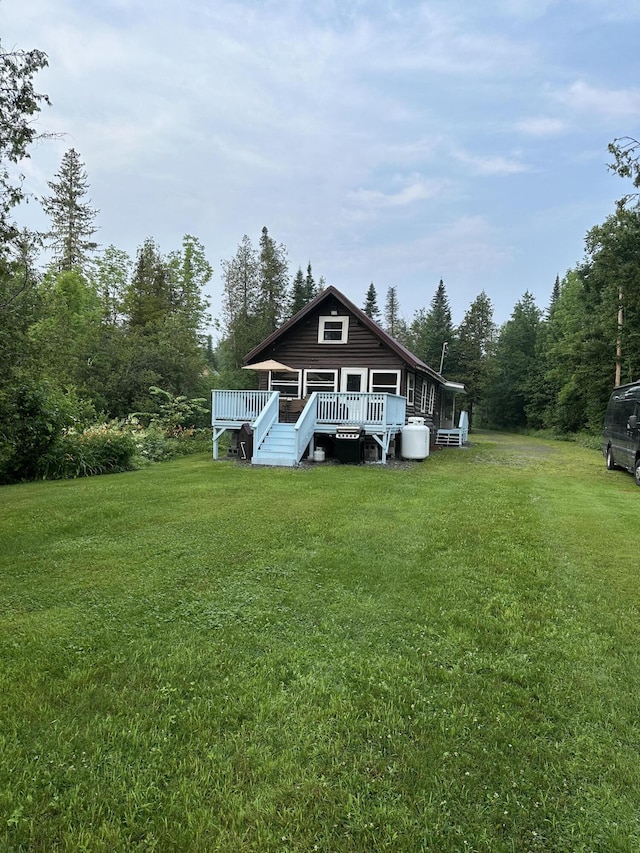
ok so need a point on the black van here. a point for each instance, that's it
(621, 433)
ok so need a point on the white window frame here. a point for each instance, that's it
(373, 383)
(344, 329)
(424, 396)
(294, 385)
(411, 389)
(325, 385)
(432, 399)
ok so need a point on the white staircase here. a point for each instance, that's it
(278, 447)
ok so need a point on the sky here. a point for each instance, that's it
(389, 141)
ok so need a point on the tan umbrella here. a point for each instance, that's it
(270, 364)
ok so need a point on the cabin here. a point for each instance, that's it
(331, 379)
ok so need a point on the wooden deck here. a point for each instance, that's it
(276, 443)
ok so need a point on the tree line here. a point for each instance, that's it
(93, 333)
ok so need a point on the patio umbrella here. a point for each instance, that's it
(270, 364)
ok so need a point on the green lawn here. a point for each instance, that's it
(206, 657)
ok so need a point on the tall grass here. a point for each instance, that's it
(201, 656)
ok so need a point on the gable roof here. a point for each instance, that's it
(408, 357)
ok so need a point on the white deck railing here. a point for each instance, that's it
(368, 410)
(238, 406)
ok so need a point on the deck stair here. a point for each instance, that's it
(278, 447)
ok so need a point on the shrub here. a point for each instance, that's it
(98, 450)
(33, 417)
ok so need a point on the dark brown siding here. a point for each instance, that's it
(299, 347)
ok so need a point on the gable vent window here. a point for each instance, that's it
(333, 330)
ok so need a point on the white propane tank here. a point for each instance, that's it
(415, 439)
(318, 455)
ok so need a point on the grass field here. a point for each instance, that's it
(205, 657)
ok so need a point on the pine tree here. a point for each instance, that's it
(370, 306)
(71, 216)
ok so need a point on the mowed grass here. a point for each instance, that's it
(204, 657)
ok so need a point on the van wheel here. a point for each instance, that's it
(636, 473)
(611, 465)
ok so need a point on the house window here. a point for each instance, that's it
(287, 382)
(385, 381)
(411, 389)
(320, 380)
(432, 399)
(333, 330)
(424, 396)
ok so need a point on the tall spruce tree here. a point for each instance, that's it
(298, 293)
(370, 307)
(273, 283)
(72, 217)
(431, 330)
(394, 322)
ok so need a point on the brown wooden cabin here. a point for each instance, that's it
(332, 347)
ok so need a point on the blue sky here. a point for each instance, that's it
(391, 141)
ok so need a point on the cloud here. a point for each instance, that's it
(541, 126)
(599, 101)
(491, 165)
(418, 189)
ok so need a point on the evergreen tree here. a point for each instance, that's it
(370, 307)
(394, 323)
(515, 365)
(148, 297)
(71, 216)
(311, 291)
(298, 293)
(475, 343)
(273, 283)
(431, 330)
(241, 324)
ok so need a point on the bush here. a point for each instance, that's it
(98, 450)
(155, 444)
(33, 417)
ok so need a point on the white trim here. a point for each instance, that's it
(337, 324)
(376, 386)
(286, 385)
(423, 395)
(411, 389)
(362, 372)
(432, 399)
(321, 385)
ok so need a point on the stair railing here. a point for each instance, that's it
(265, 420)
